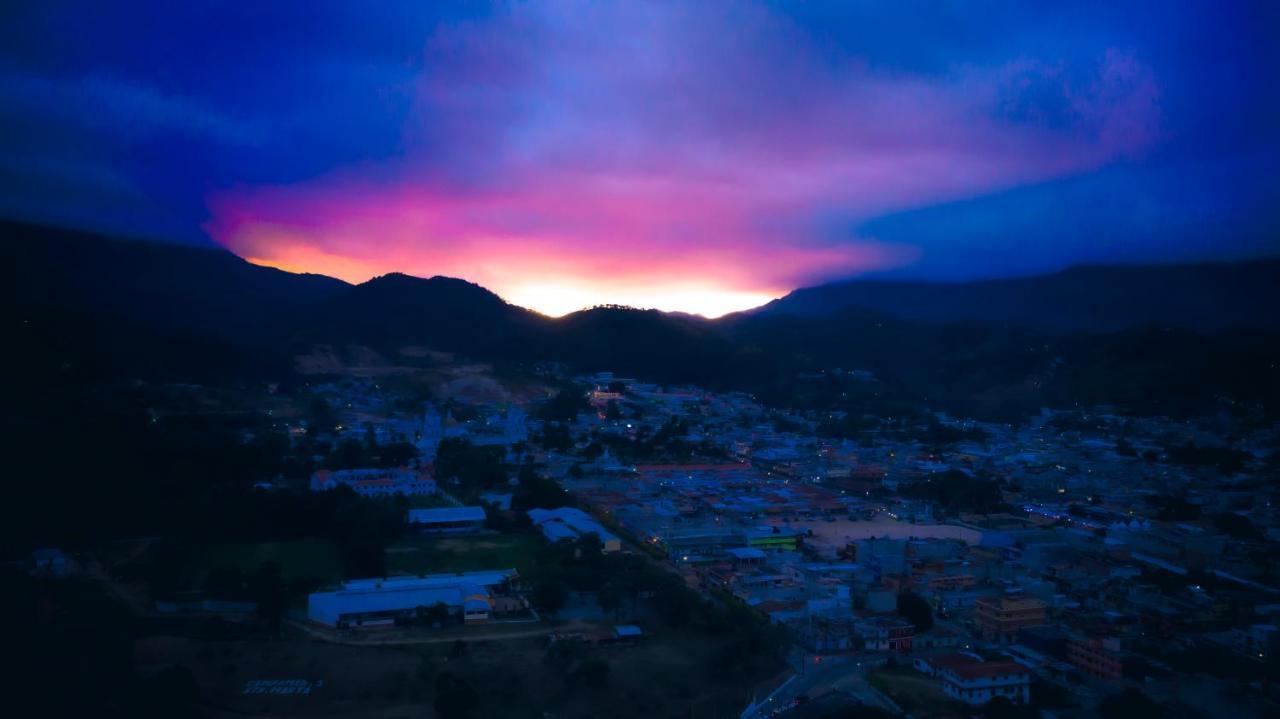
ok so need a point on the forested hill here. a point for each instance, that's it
(92, 307)
(1088, 298)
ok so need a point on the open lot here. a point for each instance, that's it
(831, 536)
(916, 693)
(665, 675)
(463, 553)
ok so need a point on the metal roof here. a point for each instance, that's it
(367, 596)
(439, 515)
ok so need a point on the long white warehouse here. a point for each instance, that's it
(370, 603)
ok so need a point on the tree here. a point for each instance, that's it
(476, 468)
(321, 419)
(1235, 525)
(170, 694)
(537, 492)
(397, 454)
(609, 597)
(594, 673)
(565, 406)
(563, 655)
(225, 583)
(348, 454)
(1003, 708)
(672, 600)
(271, 594)
(1129, 703)
(556, 437)
(862, 711)
(1048, 695)
(550, 593)
(588, 547)
(455, 699)
(915, 609)
(458, 649)
(437, 613)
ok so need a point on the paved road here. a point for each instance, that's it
(844, 674)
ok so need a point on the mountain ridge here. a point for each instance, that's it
(243, 319)
(1203, 295)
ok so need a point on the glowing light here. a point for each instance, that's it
(561, 299)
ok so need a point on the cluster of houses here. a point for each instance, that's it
(1074, 573)
(376, 482)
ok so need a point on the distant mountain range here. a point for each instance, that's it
(1089, 298)
(1176, 338)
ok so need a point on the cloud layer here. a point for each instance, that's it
(699, 156)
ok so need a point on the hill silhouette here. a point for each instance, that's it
(1089, 298)
(137, 308)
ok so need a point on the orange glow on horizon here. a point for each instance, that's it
(559, 298)
(677, 248)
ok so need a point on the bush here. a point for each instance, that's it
(594, 673)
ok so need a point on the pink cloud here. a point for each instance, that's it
(655, 153)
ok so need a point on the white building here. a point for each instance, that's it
(570, 523)
(447, 519)
(369, 603)
(976, 682)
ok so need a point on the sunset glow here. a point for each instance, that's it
(698, 156)
(564, 170)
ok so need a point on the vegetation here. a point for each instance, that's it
(467, 470)
(76, 648)
(565, 406)
(912, 691)
(954, 492)
(1129, 703)
(435, 554)
(915, 609)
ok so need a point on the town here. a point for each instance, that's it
(693, 359)
(1077, 561)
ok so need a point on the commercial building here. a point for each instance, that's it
(976, 682)
(1000, 619)
(570, 523)
(886, 634)
(773, 538)
(1097, 657)
(447, 519)
(371, 603)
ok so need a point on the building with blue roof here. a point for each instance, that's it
(447, 519)
(369, 603)
(570, 523)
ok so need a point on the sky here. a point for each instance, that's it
(694, 156)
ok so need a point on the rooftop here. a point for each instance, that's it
(438, 515)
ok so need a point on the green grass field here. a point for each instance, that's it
(428, 501)
(463, 553)
(299, 559)
(914, 692)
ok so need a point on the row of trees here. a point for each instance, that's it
(627, 584)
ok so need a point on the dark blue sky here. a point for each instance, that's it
(694, 156)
